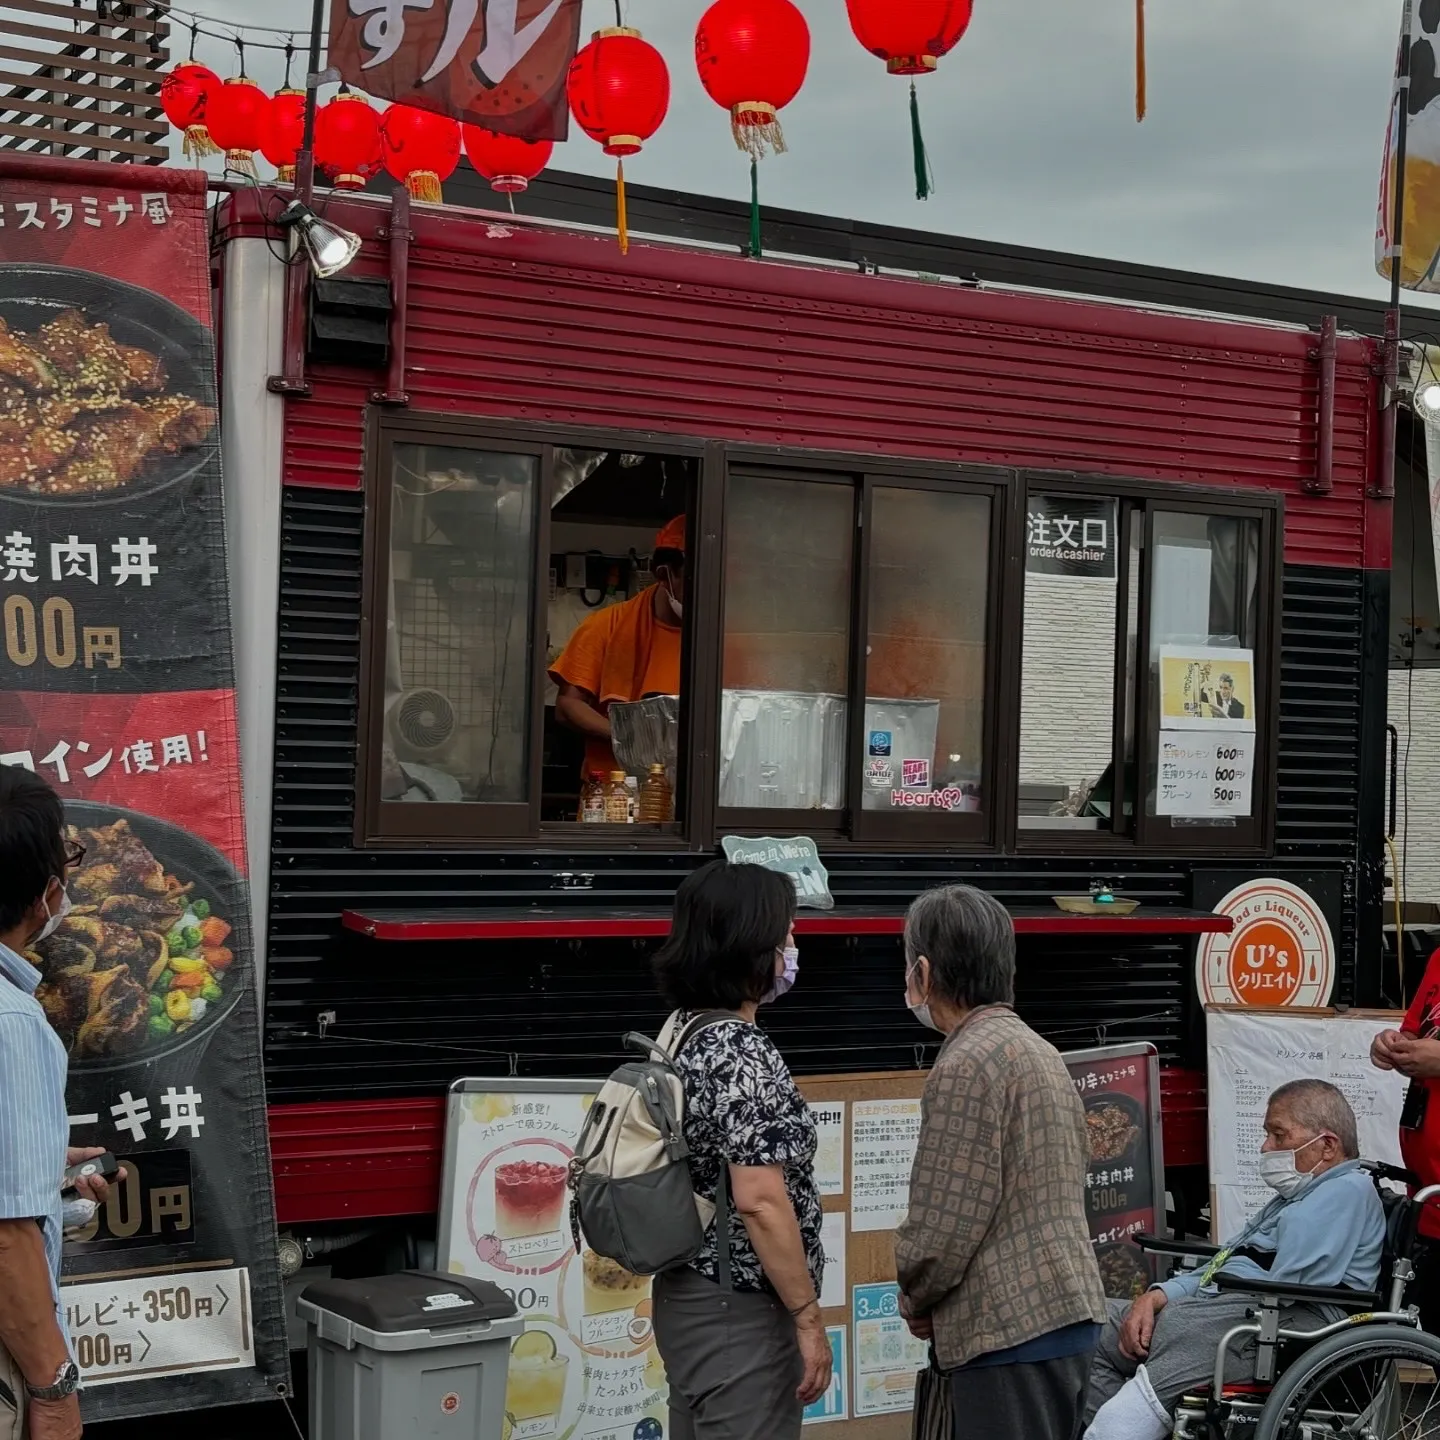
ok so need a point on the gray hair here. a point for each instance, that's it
(1319, 1106)
(969, 940)
(1227, 680)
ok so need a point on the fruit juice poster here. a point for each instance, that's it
(586, 1367)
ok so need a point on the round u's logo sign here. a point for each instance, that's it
(1280, 952)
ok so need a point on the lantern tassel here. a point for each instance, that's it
(198, 144)
(242, 162)
(755, 247)
(1140, 96)
(924, 184)
(622, 223)
(424, 185)
(756, 128)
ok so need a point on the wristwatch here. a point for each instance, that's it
(67, 1382)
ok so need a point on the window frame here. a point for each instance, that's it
(381, 824)
(994, 829)
(1150, 834)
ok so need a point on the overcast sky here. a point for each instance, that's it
(1260, 157)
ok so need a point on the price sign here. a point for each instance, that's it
(175, 1324)
(1204, 774)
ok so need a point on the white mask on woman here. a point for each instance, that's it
(921, 1011)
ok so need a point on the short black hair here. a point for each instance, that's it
(670, 559)
(729, 922)
(969, 940)
(32, 842)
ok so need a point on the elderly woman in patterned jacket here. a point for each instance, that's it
(995, 1263)
(739, 1328)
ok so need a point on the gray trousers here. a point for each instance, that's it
(1182, 1349)
(732, 1360)
(1041, 1401)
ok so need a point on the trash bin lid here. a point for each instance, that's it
(411, 1300)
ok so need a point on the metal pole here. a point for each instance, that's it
(305, 166)
(1386, 488)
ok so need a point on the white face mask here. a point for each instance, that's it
(921, 1011)
(55, 918)
(785, 980)
(676, 603)
(1278, 1170)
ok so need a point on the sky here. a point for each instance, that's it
(1259, 159)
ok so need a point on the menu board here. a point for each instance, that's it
(1207, 733)
(586, 1367)
(117, 668)
(1125, 1180)
(1252, 1053)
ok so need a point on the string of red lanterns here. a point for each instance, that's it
(506, 161)
(185, 97)
(421, 149)
(235, 117)
(348, 148)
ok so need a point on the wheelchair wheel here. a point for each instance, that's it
(1369, 1382)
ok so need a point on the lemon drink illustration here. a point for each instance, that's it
(536, 1386)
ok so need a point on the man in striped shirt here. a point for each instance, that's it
(38, 1379)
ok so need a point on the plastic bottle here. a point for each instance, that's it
(592, 799)
(617, 800)
(656, 802)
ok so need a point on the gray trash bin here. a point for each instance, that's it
(408, 1357)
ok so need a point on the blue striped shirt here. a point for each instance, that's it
(34, 1127)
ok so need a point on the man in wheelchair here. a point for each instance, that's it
(1324, 1228)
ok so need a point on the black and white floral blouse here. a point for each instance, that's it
(742, 1108)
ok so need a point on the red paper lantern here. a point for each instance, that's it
(235, 118)
(910, 36)
(752, 56)
(185, 96)
(421, 149)
(284, 132)
(347, 141)
(506, 161)
(619, 90)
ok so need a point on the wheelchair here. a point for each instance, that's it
(1373, 1375)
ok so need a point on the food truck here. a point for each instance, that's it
(1069, 582)
(1057, 594)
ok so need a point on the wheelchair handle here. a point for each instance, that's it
(1429, 1193)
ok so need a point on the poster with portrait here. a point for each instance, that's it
(587, 1364)
(117, 687)
(1204, 687)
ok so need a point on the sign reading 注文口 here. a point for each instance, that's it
(1071, 535)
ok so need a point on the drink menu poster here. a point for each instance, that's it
(586, 1367)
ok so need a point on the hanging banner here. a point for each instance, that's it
(117, 686)
(501, 64)
(1420, 263)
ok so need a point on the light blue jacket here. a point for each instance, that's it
(1331, 1234)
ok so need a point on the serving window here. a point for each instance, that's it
(1147, 685)
(598, 639)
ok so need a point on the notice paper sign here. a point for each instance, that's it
(178, 1324)
(832, 1404)
(1251, 1054)
(887, 1355)
(829, 1118)
(884, 1136)
(832, 1237)
(1204, 774)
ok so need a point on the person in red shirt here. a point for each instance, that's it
(1414, 1051)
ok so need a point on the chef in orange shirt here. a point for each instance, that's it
(624, 652)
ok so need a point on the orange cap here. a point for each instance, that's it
(672, 537)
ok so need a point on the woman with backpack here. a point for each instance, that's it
(739, 1327)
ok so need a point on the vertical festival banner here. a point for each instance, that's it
(117, 686)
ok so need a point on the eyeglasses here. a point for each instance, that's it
(74, 856)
